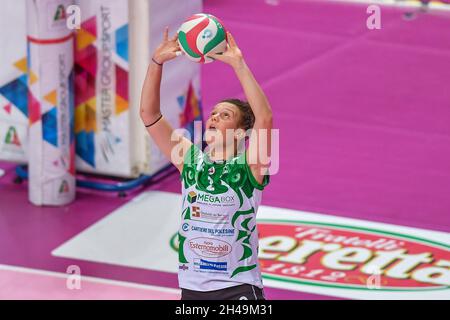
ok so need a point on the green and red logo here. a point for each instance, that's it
(60, 13)
(64, 187)
(12, 137)
(351, 257)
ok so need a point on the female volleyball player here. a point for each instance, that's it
(221, 188)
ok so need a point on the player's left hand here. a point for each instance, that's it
(232, 56)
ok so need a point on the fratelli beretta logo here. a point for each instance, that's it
(351, 257)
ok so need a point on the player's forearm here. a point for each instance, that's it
(150, 96)
(253, 92)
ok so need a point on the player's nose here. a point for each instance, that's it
(214, 118)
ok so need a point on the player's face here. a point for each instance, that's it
(224, 116)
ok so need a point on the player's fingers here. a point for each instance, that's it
(166, 33)
(215, 56)
(175, 37)
(176, 46)
(228, 48)
(231, 40)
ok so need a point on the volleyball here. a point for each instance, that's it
(202, 34)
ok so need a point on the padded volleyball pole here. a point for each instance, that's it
(50, 103)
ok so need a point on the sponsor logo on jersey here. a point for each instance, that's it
(196, 212)
(209, 247)
(192, 197)
(185, 227)
(213, 231)
(183, 267)
(217, 218)
(201, 264)
(213, 199)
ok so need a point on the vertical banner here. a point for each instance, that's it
(13, 82)
(102, 125)
(50, 103)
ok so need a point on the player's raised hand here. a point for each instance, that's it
(232, 56)
(168, 49)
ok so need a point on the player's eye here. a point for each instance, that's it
(226, 115)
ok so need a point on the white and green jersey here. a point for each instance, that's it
(218, 237)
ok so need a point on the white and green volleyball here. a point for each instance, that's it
(202, 34)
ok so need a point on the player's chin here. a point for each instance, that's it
(214, 144)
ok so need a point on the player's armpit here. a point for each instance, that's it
(172, 144)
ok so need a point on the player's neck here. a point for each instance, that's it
(222, 154)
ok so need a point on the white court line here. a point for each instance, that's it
(90, 279)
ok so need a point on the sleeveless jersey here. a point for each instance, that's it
(218, 237)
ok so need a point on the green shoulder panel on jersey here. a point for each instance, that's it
(191, 159)
(256, 184)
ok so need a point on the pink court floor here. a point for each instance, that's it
(363, 118)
